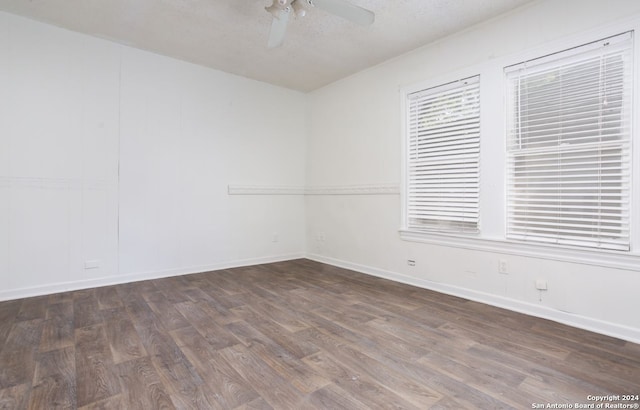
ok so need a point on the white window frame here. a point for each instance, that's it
(493, 125)
(427, 90)
(553, 216)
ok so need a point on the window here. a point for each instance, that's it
(568, 146)
(443, 147)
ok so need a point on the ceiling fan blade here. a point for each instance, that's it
(278, 29)
(346, 10)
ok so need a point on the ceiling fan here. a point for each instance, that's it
(282, 9)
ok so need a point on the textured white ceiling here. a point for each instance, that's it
(231, 35)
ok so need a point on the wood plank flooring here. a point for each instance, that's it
(295, 335)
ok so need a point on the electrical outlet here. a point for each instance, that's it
(320, 237)
(411, 262)
(503, 266)
(275, 237)
(541, 284)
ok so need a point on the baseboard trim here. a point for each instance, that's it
(139, 276)
(594, 325)
(578, 321)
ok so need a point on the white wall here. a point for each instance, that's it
(182, 144)
(355, 139)
(115, 155)
(119, 156)
(58, 161)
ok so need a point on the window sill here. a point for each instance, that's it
(601, 258)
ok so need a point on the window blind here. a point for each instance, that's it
(443, 157)
(568, 146)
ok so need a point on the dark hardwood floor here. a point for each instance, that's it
(295, 335)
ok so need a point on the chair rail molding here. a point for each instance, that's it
(364, 189)
(265, 190)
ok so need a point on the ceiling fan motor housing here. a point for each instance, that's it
(281, 10)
